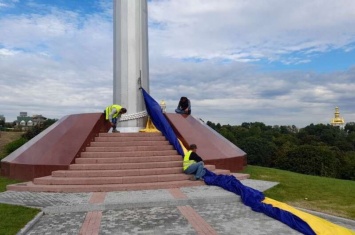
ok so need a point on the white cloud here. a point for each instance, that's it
(7, 3)
(55, 64)
(250, 29)
(235, 93)
(58, 62)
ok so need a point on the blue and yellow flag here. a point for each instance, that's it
(301, 221)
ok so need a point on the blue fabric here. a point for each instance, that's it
(253, 198)
(160, 122)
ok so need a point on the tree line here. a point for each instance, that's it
(322, 150)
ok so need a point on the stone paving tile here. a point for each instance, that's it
(196, 221)
(40, 199)
(260, 185)
(92, 223)
(236, 218)
(58, 224)
(138, 196)
(215, 191)
(206, 192)
(152, 221)
(153, 212)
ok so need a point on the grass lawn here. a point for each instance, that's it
(7, 137)
(13, 218)
(327, 195)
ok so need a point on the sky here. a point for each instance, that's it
(277, 62)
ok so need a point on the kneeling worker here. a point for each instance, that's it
(113, 112)
(184, 106)
(193, 164)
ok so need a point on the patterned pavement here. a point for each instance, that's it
(193, 210)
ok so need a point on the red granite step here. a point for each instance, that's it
(30, 186)
(240, 176)
(130, 148)
(120, 166)
(118, 162)
(128, 160)
(110, 180)
(129, 143)
(131, 134)
(128, 154)
(129, 138)
(52, 180)
(118, 173)
(222, 172)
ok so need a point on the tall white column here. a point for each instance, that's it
(131, 66)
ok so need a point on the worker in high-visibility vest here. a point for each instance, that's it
(113, 112)
(193, 164)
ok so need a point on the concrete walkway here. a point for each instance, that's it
(190, 210)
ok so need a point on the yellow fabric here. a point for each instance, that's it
(109, 110)
(320, 226)
(187, 161)
(183, 147)
(149, 127)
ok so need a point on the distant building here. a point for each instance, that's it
(23, 114)
(337, 120)
(25, 122)
(2, 118)
(38, 119)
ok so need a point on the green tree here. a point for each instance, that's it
(312, 160)
(259, 151)
(211, 124)
(306, 138)
(344, 145)
(351, 138)
(9, 148)
(316, 149)
(35, 130)
(350, 127)
(228, 134)
(2, 123)
(347, 170)
(241, 132)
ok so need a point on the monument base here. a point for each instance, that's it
(128, 129)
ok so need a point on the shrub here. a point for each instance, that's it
(312, 160)
(10, 147)
(259, 151)
(348, 166)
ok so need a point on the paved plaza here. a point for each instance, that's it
(190, 210)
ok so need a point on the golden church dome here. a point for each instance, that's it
(337, 120)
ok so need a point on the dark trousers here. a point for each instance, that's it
(114, 121)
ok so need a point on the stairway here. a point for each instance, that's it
(119, 162)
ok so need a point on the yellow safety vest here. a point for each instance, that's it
(187, 161)
(109, 110)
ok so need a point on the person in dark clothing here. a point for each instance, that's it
(193, 164)
(184, 106)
